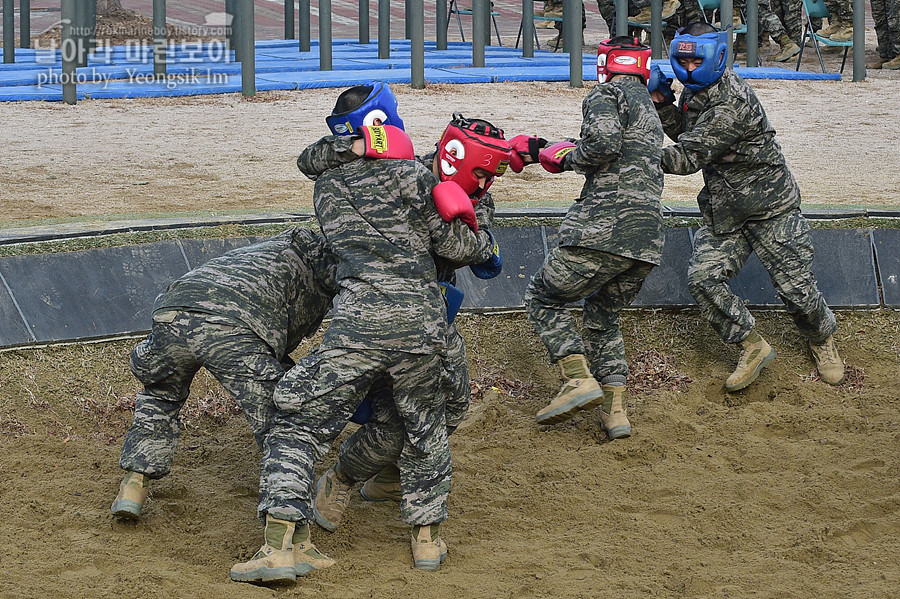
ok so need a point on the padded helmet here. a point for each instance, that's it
(470, 144)
(623, 55)
(359, 106)
(712, 47)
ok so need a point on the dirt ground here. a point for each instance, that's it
(787, 490)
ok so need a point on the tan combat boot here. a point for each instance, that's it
(274, 562)
(755, 355)
(384, 486)
(579, 392)
(306, 557)
(892, 64)
(332, 498)
(788, 48)
(669, 7)
(428, 550)
(613, 412)
(643, 17)
(876, 63)
(828, 362)
(834, 25)
(844, 34)
(132, 495)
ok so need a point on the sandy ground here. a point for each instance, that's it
(787, 490)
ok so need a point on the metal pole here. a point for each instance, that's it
(237, 6)
(859, 40)
(9, 31)
(440, 24)
(67, 16)
(487, 23)
(417, 44)
(305, 27)
(407, 24)
(527, 28)
(78, 33)
(572, 36)
(159, 37)
(621, 17)
(363, 21)
(248, 49)
(752, 38)
(288, 19)
(478, 7)
(229, 24)
(92, 25)
(384, 29)
(325, 62)
(726, 13)
(656, 36)
(24, 23)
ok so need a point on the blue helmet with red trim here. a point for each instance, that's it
(359, 106)
(712, 47)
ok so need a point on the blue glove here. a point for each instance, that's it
(661, 83)
(363, 411)
(454, 298)
(493, 266)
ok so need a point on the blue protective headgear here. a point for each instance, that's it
(379, 104)
(711, 47)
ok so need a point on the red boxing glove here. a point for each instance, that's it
(553, 157)
(387, 141)
(452, 202)
(527, 145)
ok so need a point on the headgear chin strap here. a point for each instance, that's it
(380, 104)
(711, 47)
(617, 56)
(470, 144)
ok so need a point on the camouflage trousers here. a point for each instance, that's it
(784, 247)
(788, 12)
(315, 399)
(840, 9)
(379, 441)
(166, 362)
(886, 14)
(608, 283)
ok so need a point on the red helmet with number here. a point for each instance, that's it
(467, 145)
(623, 55)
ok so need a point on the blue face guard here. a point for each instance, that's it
(711, 47)
(381, 104)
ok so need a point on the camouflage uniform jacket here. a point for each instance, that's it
(621, 138)
(723, 130)
(281, 288)
(380, 220)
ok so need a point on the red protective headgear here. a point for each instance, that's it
(623, 56)
(470, 144)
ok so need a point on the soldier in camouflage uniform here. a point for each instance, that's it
(609, 241)
(375, 447)
(886, 14)
(750, 203)
(239, 316)
(390, 321)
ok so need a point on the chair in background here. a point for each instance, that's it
(456, 10)
(537, 19)
(816, 9)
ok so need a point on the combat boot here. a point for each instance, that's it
(669, 7)
(306, 557)
(613, 411)
(834, 25)
(788, 48)
(755, 355)
(643, 17)
(844, 34)
(876, 63)
(580, 391)
(332, 498)
(384, 486)
(132, 495)
(828, 362)
(428, 550)
(274, 562)
(892, 64)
